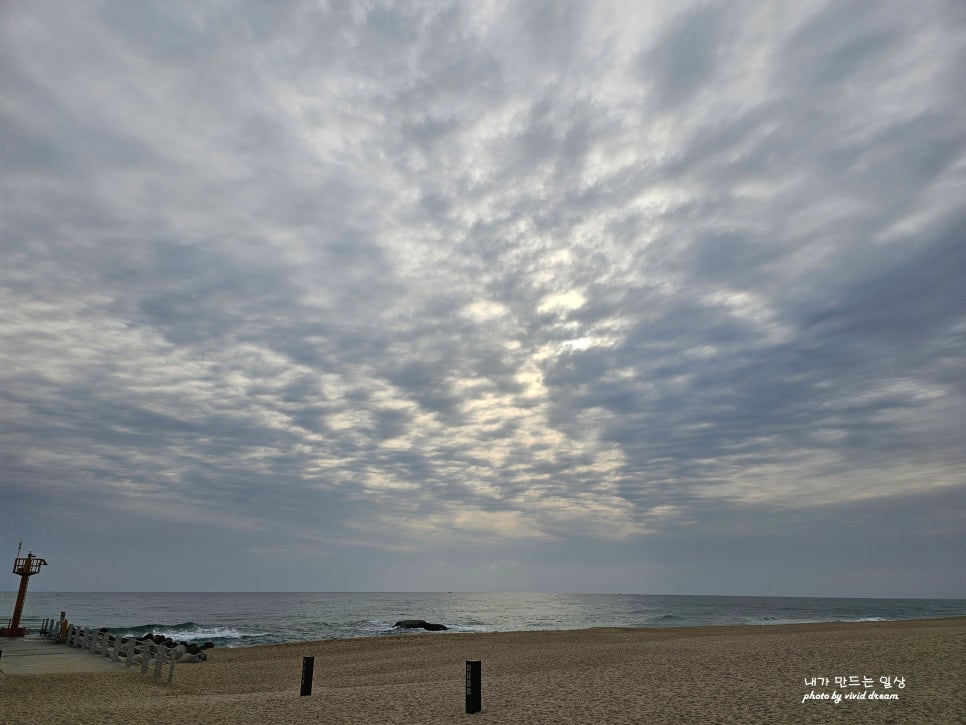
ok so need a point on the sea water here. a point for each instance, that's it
(243, 618)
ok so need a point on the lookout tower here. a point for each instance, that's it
(26, 567)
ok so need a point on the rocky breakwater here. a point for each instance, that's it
(184, 651)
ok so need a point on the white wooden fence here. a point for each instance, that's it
(150, 657)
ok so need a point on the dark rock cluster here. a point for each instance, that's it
(419, 624)
(189, 652)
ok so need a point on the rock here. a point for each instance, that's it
(207, 645)
(420, 624)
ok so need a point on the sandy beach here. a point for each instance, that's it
(748, 674)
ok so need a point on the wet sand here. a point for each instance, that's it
(748, 674)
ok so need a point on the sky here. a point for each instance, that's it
(654, 297)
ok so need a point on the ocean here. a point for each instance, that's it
(246, 619)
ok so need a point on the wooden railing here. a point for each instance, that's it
(150, 657)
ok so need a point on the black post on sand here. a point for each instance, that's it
(474, 698)
(308, 665)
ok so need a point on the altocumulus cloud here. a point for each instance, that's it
(556, 295)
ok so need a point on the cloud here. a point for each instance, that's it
(544, 277)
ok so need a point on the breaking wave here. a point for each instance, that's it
(194, 632)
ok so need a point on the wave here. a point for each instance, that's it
(767, 619)
(469, 627)
(188, 632)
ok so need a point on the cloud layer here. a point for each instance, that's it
(551, 295)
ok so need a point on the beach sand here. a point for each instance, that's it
(747, 674)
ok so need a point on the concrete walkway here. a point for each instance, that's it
(33, 655)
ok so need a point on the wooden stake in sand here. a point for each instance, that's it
(474, 697)
(308, 666)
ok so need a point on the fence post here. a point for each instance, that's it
(171, 665)
(146, 656)
(129, 658)
(159, 661)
